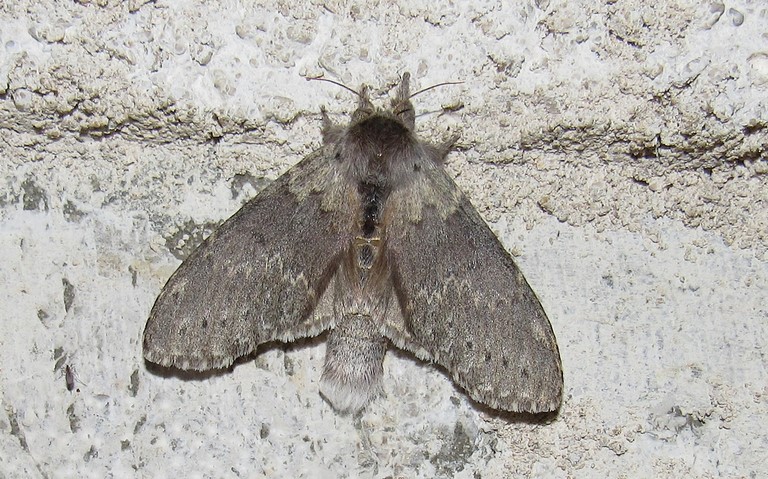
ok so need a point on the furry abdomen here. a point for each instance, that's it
(353, 363)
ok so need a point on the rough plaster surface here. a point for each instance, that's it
(617, 147)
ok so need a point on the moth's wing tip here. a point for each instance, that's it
(188, 364)
(185, 361)
(503, 389)
(543, 404)
(546, 397)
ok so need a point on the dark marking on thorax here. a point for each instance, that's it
(367, 242)
(372, 198)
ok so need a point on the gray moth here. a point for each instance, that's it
(370, 239)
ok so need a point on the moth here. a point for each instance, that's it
(370, 239)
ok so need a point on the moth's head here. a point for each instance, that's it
(376, 140)
(379, 145)
(401, 112)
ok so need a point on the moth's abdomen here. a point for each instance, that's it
(353, 363)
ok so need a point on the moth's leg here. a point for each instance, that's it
(353, 363)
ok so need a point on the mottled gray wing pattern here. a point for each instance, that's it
(259, 276)
(464, 303)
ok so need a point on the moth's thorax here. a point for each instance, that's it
(375, 149)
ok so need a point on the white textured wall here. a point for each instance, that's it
(617, 147)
